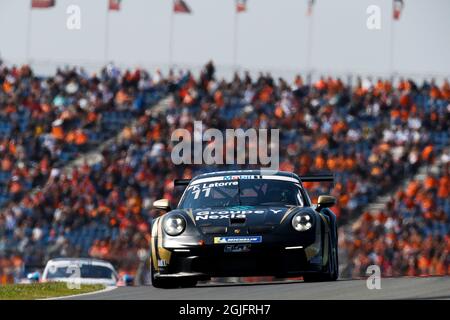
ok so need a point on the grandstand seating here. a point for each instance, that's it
(410, 237)
(372, 137)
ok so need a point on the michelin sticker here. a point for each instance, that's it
(251, 239)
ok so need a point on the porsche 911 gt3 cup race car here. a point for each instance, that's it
(244, 223)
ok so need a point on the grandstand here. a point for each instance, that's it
(372, 134)
(410, 237)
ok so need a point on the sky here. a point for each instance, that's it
(272, 36)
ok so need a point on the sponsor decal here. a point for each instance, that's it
(229, 214)
(242, 177)
(243, 239)
(230, 177)
(241, 208)
(162, 263)
(225, 214)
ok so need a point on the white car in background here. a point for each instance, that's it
(80, 271)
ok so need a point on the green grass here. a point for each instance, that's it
(42, 290)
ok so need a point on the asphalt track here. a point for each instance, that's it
(391, 288)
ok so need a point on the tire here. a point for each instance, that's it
(188, 283)
(331, 270)
(336, 253)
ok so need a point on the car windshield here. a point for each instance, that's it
(241, 192)
(86, 271)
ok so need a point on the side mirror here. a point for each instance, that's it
(162, 204)
(326, 201)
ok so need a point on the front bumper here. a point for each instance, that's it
(260, 260)
(280, 252)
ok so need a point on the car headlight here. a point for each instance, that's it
(302, 222)
(174, 225)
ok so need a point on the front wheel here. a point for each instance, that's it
(188, 283)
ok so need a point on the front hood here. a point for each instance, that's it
(247, 215)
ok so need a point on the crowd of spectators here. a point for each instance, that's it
(371, 134)
(411, 237)
(45, 122)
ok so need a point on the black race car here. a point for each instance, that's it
(244, 223)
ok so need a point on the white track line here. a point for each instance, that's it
(107, 289)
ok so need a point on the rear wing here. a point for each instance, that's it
(306, 178)
(317, 178)
(181, 182)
